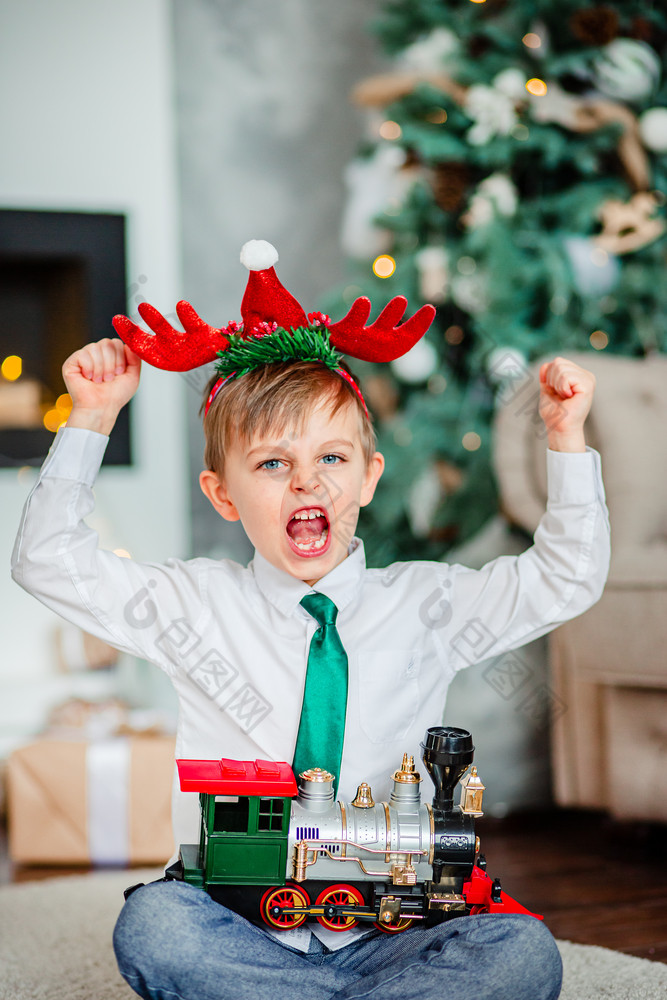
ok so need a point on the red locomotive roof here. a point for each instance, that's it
(237, 777)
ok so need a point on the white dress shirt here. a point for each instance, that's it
(234, 639)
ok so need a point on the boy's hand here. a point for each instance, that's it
(566, 394)
(100, 378)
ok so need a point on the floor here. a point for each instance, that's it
(595, 880)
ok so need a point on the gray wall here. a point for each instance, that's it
(265, 129)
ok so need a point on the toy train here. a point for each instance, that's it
(283, 855)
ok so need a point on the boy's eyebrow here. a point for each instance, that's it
(271, 445)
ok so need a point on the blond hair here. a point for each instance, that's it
(276, 397)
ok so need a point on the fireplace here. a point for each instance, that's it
(62, 278)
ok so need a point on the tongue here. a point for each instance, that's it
(305, 531)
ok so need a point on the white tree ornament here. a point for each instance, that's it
(430, 53)
(653, 129)
(416, 366)
(594, 271)
(433, 268)
(372, 183)
(491, 111)
(627, 70)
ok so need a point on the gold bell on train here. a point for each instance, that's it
(364, 797)
(472, 791)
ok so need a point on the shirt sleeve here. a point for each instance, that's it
(58, 560)
(514, 599)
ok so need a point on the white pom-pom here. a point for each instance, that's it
(257, 255)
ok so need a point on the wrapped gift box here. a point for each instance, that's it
(105, 802)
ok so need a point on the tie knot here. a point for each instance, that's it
(322, 608)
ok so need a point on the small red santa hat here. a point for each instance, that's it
(266, 299)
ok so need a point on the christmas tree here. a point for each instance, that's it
(515, 176)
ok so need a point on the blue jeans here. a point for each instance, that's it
(173, 942)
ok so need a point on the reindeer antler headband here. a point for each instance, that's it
(275, 328)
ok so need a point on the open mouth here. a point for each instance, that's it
(308, 531)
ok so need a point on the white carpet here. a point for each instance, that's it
(55, 944)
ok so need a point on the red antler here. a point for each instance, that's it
(167, 348)
(383, 340)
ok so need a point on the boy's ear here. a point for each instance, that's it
(215, 490)
(373, 472)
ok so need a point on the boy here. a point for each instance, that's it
(290, 452)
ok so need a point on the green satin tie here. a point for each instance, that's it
(322, 727)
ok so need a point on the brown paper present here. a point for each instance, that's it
(51, 802)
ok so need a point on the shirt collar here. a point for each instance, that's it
(285, 592)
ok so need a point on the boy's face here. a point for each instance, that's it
(298, 497)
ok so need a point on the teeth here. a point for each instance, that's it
(318, 544)
(307, 515)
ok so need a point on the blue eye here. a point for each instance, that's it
(271, 464)
(331, 459)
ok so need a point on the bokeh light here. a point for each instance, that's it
(520, 132)
(384, 266)
(531, 40)
(466, 265)
(536, 87)
(390, 130)
(437, 384)
(11, 367)
(471, 441)
(53, 419)
(599, 340)
(453, 334)
(64, 405)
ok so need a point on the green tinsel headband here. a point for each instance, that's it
(302, 344)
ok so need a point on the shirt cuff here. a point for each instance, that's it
(574, 477)
(77, 454)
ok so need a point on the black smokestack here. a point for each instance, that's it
(447, 753)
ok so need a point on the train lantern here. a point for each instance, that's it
(285, 854)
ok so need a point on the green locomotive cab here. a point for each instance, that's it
(243, 833)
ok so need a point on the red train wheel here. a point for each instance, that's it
(398, 928)
(279, 898)
(339, 895)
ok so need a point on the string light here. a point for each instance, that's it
(532, 41)
(536, 87)
(599, 340)
(438, 116)
(11, 367)
(471, 441)
(390, 130)
(384, 266)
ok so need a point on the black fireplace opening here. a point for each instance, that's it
(62, 279)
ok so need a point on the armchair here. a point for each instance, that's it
(608, 667)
